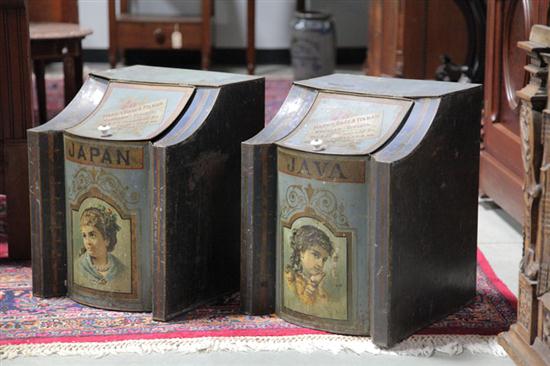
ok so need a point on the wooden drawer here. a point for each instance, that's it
(158, 35)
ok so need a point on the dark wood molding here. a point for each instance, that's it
(16, 118)
(220, 56)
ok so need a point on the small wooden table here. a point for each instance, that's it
(57, 42)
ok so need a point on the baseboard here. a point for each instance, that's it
(95, 55)
(222, 56)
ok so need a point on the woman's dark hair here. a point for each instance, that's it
(104, 220)
(303, 238)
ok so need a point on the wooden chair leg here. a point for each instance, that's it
(205, 61)
(40, 90)
(112, 57)
(78, 70)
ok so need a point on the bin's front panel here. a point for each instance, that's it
(108, 233)
(322, 269)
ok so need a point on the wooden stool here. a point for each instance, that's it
(57, 42)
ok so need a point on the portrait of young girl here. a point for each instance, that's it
(309, 278)
(96, 265)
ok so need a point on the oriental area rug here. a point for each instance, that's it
(34, 326)
(31, 326)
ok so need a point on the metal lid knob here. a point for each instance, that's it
(105, 130)
(317, 144)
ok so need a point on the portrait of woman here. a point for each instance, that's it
(314, 276)
(96, 266)
(311, 248)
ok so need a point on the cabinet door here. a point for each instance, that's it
(501, 167)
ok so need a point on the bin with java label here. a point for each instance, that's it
(360, 204)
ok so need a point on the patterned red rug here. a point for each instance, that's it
(28, 324)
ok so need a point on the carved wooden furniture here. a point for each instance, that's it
(408, 37)
(15, 118)
(528, 341)
(137, 31)
(501, 168)
(57, 42)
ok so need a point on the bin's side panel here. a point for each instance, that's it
(201, 249)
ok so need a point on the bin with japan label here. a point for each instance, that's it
(137, 181)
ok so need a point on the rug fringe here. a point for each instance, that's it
(420, 346)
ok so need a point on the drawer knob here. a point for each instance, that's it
(159, 36)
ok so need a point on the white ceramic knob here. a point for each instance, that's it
(317, 144)
(105, 130)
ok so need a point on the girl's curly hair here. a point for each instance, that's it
(104, 220)
(303, 238)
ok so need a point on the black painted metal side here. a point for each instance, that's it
(197, 184)
(426, 254)
(258, 228)
(47, 203)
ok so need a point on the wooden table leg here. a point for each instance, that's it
(39, 72)
(69, 76)
(113, 43)
(206, 49)
(251, 36)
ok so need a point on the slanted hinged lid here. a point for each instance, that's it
(345, 124)
(384, 87)
(134, 112)
(171, 76)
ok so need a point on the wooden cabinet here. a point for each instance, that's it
(133, 31)
(407, 38)
(501, 169)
